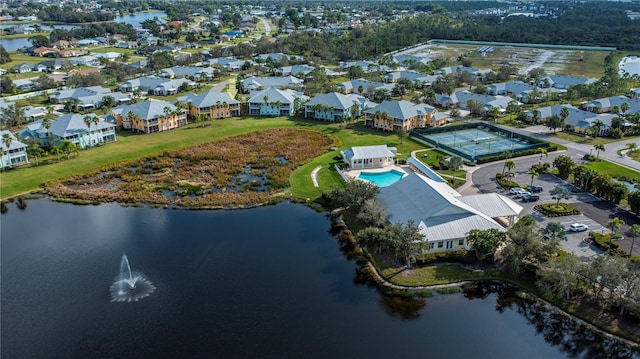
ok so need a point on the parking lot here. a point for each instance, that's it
(575, 240)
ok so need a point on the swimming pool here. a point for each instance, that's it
(382, 179)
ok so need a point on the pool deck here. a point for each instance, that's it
(356, 173)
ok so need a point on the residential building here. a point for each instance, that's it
(608, 104)
(335, 106)
(22, 68)
(150, 116)
(71, 127)
(190, 72)
(478, 73)
(578, 121)
(276, 102)
(87, 98)
(13, 154)
(361, 157)
(155, 85)
(442, 215)
(295, 70)
(254, 83)
(461, 98)
(419, 79)
(396, 115)
(362, 86)
(563, 82)
(216, 105)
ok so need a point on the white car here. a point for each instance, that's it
(516, 190)
(578, 227)
(523, 193)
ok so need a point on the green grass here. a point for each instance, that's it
(586, 141)
(614, 170)
(634, 154)
(132, 146)
(20, 36)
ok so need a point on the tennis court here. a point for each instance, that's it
(476, 142)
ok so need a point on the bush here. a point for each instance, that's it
(604, 241)
(506, 184)
(458, 256)
(551, 210)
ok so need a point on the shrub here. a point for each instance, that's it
(458, 256)
(498, 157)
(603, 241)
(553, 210)
(450, 290)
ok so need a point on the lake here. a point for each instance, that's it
(133, 20)
(268, 282)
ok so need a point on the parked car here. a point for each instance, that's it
(523, 194)
(516, 190)
(534, 189)
(578, 227)
(530, 198)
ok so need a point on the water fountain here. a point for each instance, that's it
(130, 286)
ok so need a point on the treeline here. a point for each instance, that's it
(93, 30)
(583, 25)
(67, 14)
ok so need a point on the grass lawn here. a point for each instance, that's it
(586, 141)
(131, 146)
(634, 154)
(614, 170)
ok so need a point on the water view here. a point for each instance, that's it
(138, 18)
(268, 282)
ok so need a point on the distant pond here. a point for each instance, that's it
(268, 282)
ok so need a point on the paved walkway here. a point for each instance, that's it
(314, 176)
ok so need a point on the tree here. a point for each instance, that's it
(598, 148)
(526, 246)
(624, 107)
(560, 275)
(535, 116)
(373, 213)
(475, 107)
(614, 225)
(7, 140)
(506, 155)
(39, 41)
(631, 147)
(564, 114)
(407, 240)
(354, 193)
(4, 55)
(596, 126)
(510, 165)
(7, 85)
(560, 192)
(485, 242)
(554, 231)
(543, 152)
(33, 150)
(374, 239)
(455, 162)
(88, 121)
(56, 150)
(512, 108)
(533, 174)
(635, 233)
(565, 165)
(554, 122)
(402, 133)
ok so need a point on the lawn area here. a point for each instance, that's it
(132, 146)
(19, 58)
(614, 170)
(586, 140)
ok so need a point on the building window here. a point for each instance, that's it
(430, 245)
(461, 242)
(440, 244)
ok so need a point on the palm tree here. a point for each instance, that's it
(88, 121)
(510, 165)
(455, 162)
(533, 174)
(614, 225)
(6, 140)
(624, 107)
(543, 152)
(598, 148)
(495, 113)
(96, 121)
(56, 150)
(46, 123)
(35, 151)
(631, 147)
(512, 108)
(506, 156)
(596, 126)
(635, 233)
(535, 116)
(564, 114)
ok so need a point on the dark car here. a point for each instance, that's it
(534, 189)
(530, 198)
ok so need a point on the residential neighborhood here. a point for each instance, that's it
(488, 149)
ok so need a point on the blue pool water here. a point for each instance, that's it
(382, 179)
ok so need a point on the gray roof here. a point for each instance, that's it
(275, 81)
(462, 97)
(80, 92)
(563, 81)
(285, 96)
(514, 87)
(634, 105)
(364, 152)
(577, 117)
(146, 110)
(339, 101)
(189, 71)
(73, 124)
(354, 84)
(208, 99)
(434, 206)
(493, 204)
(15, 144)
(402, 109)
